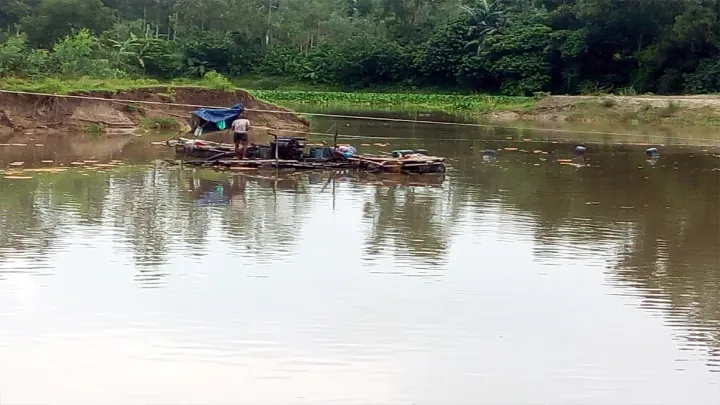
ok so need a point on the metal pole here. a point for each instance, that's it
(276, 150)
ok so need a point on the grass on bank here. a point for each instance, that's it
(450, 103)
(84, 84)
(60, 86)
(592, 110)
(405, 101)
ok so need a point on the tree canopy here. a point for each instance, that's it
(515, 47)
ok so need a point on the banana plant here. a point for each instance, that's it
(134, 48)
(485, 18)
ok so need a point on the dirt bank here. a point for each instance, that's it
(31, 115)
(630, 110)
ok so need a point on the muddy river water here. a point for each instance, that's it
(516, 280)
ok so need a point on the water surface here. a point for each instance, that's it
(511, 281)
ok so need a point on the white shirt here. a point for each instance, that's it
(240, 125)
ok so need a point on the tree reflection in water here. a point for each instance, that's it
(657, 227)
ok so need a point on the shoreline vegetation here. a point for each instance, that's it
(697, 110)
(499, 60)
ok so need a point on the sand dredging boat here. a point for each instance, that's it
(291, 152)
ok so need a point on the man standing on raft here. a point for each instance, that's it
(240, 128)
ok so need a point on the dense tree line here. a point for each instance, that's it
(508, 46)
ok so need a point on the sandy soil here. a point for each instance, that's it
(32, 115)
(681, 110)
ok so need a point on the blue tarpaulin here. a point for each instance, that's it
(215, 119)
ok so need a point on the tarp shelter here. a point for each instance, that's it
(207, 120)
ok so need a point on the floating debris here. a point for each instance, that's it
(489, 155)
(592, 203)
(537, 151)
(527, 140)
(48, 161)
(652, 153)
(39, 145)
(18, 177)
(564, 160)
(17, 163)
(579, 150)
(511, 149)
(47, 170)
(18, 144)
(382, 145)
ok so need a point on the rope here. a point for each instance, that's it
(404, 138)
(367, 118)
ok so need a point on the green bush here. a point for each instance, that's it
(705, 79)
(17, 60)
(12, 56)
(215, 80)
(73, 56)
(283, 62)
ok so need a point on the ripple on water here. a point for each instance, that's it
(501, 278)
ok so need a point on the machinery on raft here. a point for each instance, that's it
(289, 152)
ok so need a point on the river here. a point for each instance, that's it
(515, 280)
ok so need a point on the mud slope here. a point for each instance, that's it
(622, 110)
(35, 115)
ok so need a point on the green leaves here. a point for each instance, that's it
(12, 56)
(74, 55)
(486, 17)
(55, 19)
(425, 102)
(508, 46)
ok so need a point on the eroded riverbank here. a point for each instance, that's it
(23, 114)
(31, 114)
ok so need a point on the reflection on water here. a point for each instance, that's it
(514, 280)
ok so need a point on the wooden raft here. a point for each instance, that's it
(245, 164)
(372, 164)
(201, 151)
(220, 155)
(417, 165)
